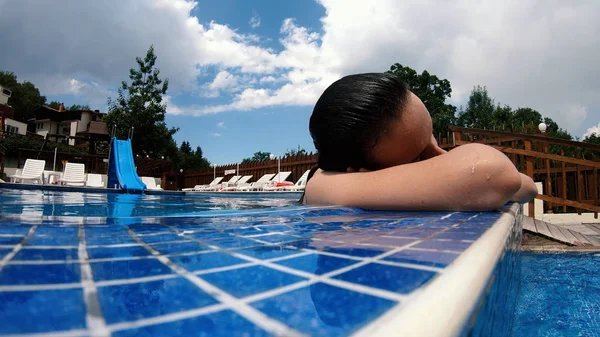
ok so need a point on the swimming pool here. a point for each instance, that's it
(79, 264)
(560, 295)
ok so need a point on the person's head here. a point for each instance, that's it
(370, 121)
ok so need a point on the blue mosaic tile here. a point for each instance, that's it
(317, 264)
(245, 231)
(29, 311)
(274, 228)
(129, 302)
(14, 229)
(108, 240)
(149, 229)
(444, 245)
(419, 232)
(267, 251)
(324, 310)
(427, 258)
(127, 269)
(40, 274)
(94, 231)
(357, 251)
(47, 254)
(112, 252)
(183, 247)
(219, 324)
(248, 281)
(204, 261)
(233, 242)
(71, 231)
(4, 252)
(209, 236)
(312, 244)
(388, 241)
(161, 238)
(11, 240)
(458, 236)
(276, 238)
(392, 278)
(37, 240)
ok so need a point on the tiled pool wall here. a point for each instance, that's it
(474, 296)
(494, 315)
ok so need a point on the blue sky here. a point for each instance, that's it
(244, 75)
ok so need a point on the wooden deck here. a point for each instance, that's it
(566, 235)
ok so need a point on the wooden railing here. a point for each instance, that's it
(570, 181)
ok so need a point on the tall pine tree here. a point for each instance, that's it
(140, 104)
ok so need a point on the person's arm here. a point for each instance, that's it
(527, 192)
(471, 177)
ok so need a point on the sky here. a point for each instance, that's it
(244, 76)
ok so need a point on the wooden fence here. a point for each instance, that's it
(297, 164)
(570, 181)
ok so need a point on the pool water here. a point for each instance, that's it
(560, 295)
(53, 203)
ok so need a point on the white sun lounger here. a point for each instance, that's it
(151, 183)
(243, 181)
(33, 170)
(259, 183)
(278, 178)
(212, 184)
(224, 185)
(74, 175)
(94, 180)
(298, 186)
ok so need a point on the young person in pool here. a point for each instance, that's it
(376, 151)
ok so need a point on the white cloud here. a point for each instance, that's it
(254, 20)
(221, 124)
(592, 130)
(216, 134)
(538, 54)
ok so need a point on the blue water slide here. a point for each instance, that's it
(121, 167)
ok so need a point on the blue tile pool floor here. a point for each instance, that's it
(137, 266)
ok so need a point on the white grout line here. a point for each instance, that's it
(36, 287)
(16, 248)
(42, 247)
(68, 333)
(119, 282)
(246, 311)
(435, 250)
(93, 316)
(11, 235)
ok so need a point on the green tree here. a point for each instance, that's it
(140, 105)
(295, 152)
(480, 109)
(77, 107)
(258, 156)
(54, 105)
(524, 117)
(188, 159)
(25, 96)
(433, 91)
(74, 107)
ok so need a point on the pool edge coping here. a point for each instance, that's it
(445, 306)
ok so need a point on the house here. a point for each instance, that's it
(67, 126)
(7, 123)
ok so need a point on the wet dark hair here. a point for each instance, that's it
(351, 115)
